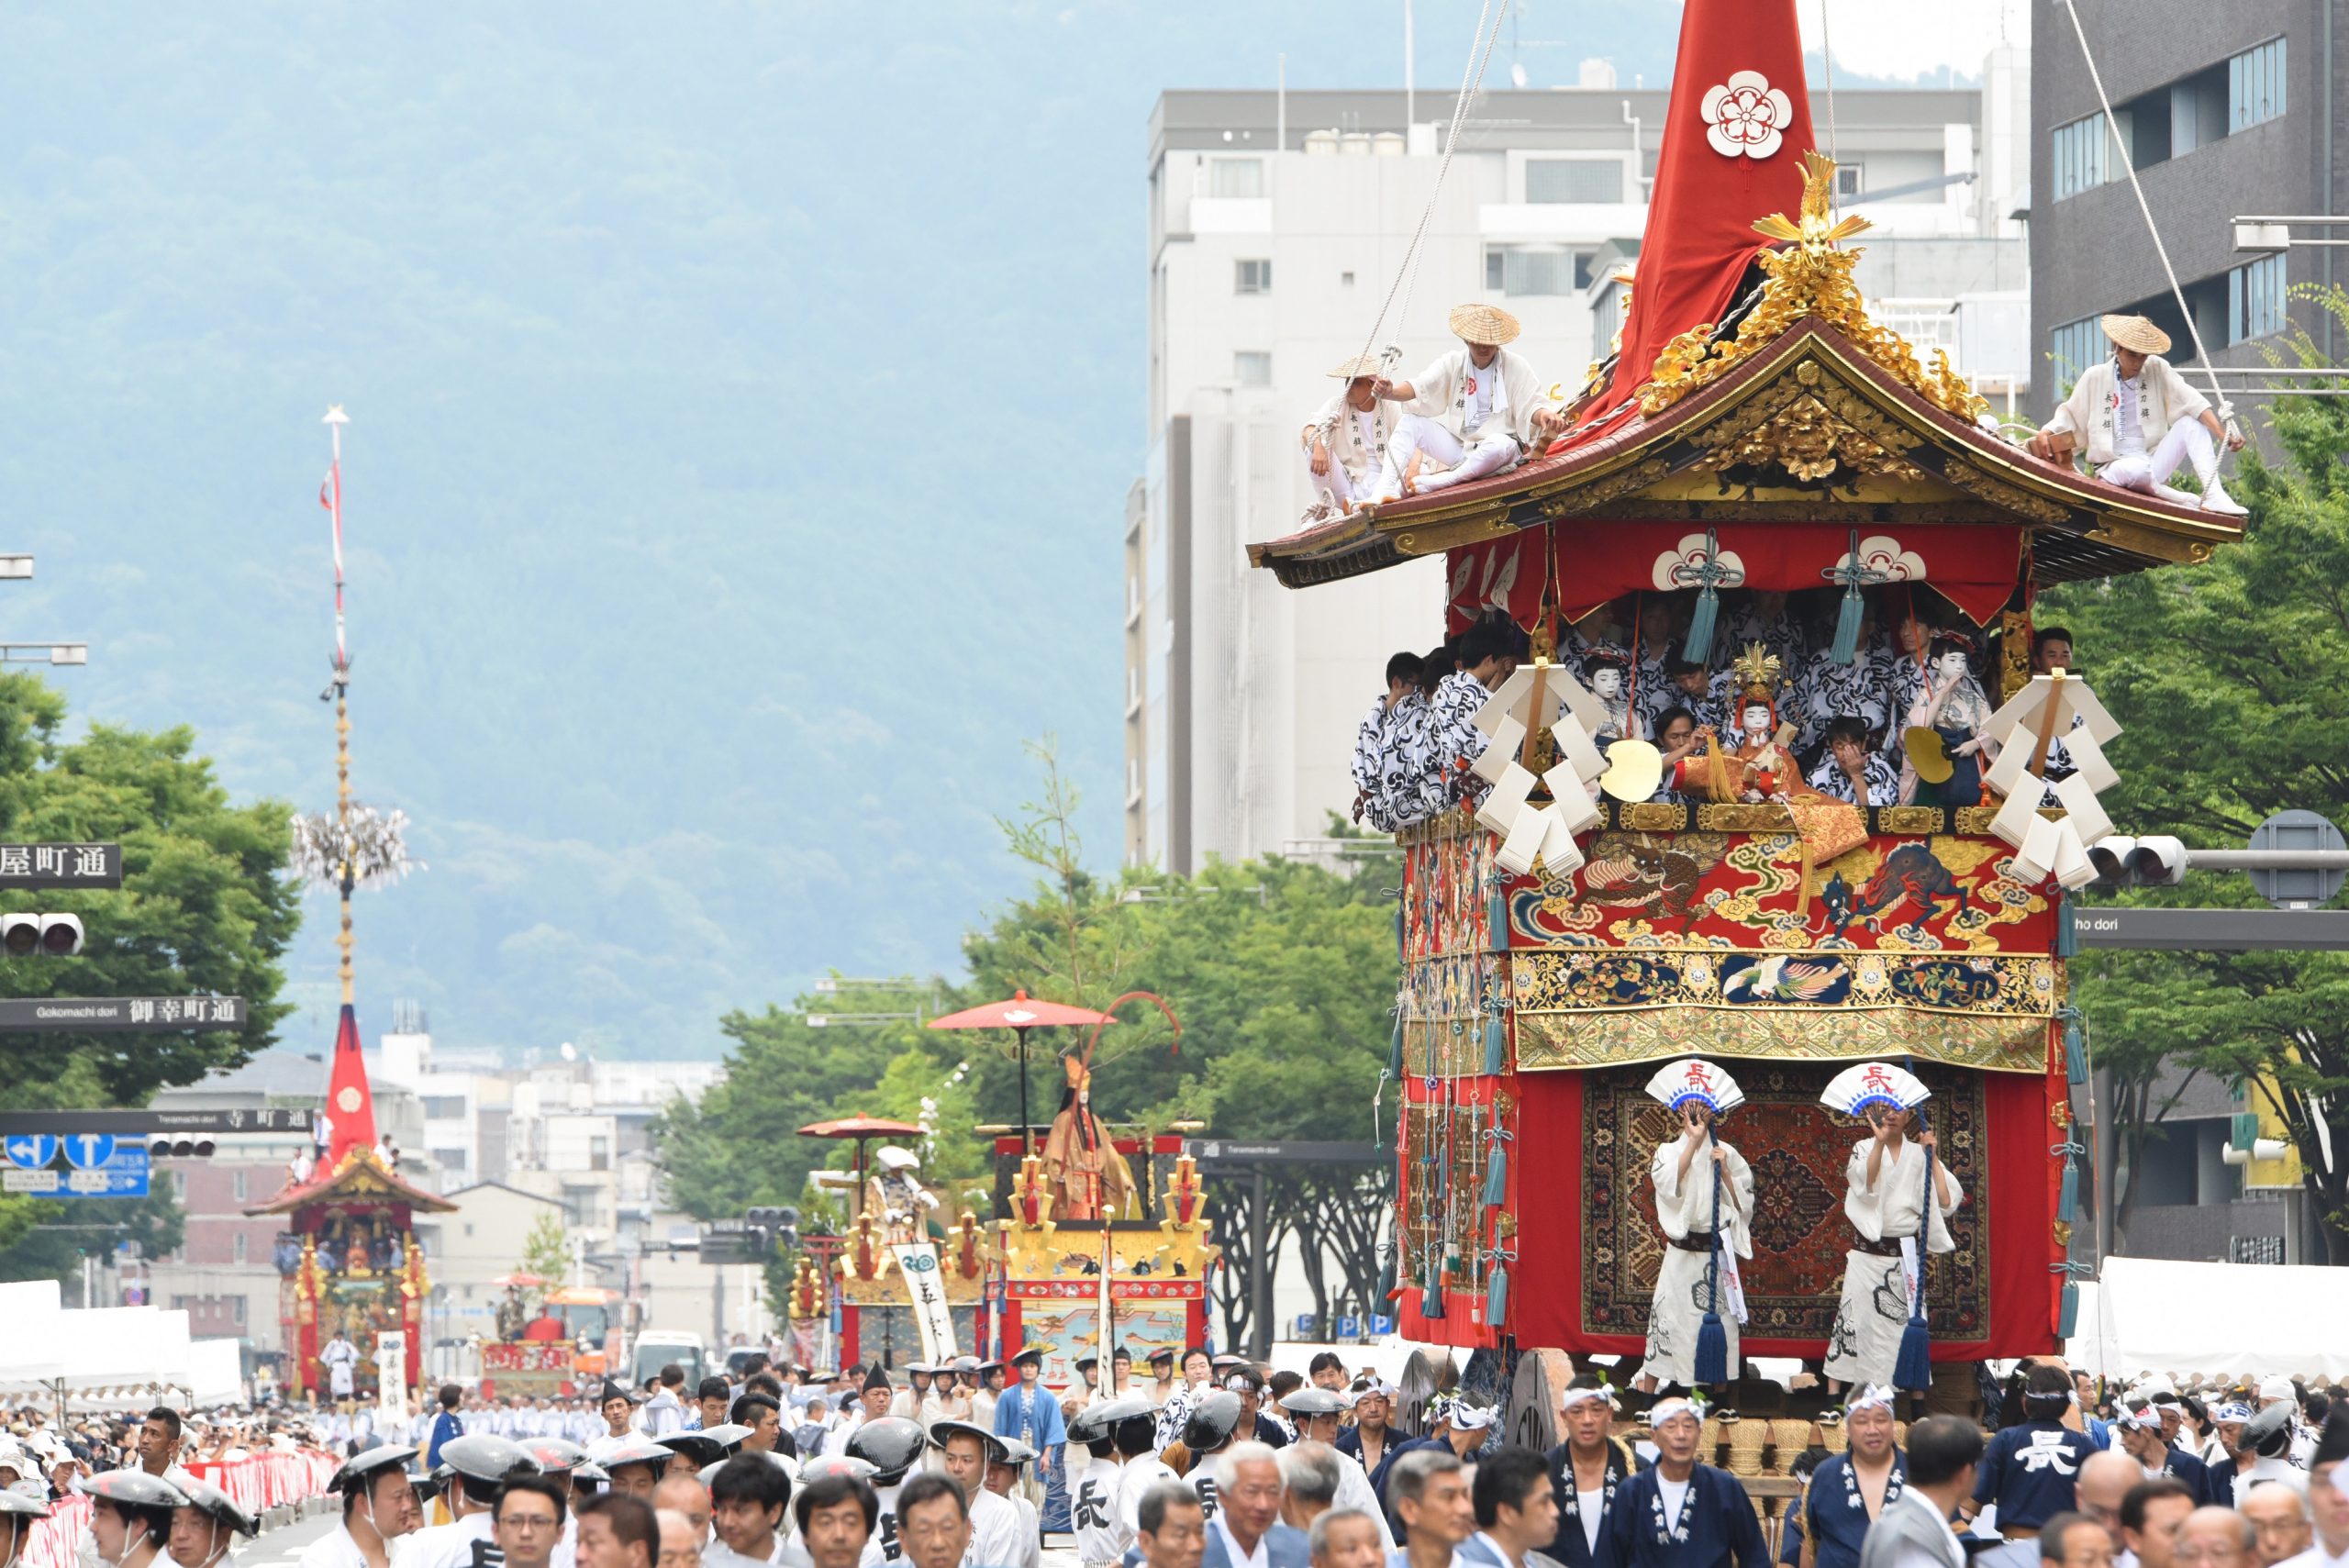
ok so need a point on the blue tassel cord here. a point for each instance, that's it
(1913, 1372)
(1496, 1038)
(2075, 1046)
(1710, 1364)
(1847, 627)
(1497, 1170)
(2068, 1197)
(1709, 573)
(1496, 1297)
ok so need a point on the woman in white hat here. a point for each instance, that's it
(1476, 411)
(1346, 440)
(1704, 1202)
(2140, 422)
(1884, 1198)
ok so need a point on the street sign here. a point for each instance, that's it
(1381, 1324)
(124, 1174)
(1228, 1151)
(2297, 830)
(31, 1151)
(114, 1015)
(2214, 930)
(61, 865)
(142, 1123)
(1309, 1326)
(1349, 1326)
(89, 1151)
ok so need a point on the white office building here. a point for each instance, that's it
(1278, 224)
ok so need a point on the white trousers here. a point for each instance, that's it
(1337, 486)
(2185, 441)
(1417, 434)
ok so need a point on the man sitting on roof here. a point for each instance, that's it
(1346, 440)
(1476, 411)
(2141, 421)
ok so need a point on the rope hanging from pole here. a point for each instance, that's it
(2113, 130)
(1472, 83)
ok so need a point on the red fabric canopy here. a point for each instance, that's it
(861, 1126)
(1975, 566)
(351, 1104)
(1019, 1013)
(1734, 133)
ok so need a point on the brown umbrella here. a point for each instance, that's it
(863, 1128)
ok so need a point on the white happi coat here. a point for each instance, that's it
(2091, 413)
(1441, 393)
(1682, 1209)
(1865, 1343)
(1357, 440)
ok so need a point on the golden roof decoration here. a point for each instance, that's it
(1810, 276)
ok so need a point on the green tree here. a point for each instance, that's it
(546, 1252)
(2229, 676)
(1281, 973)
(205, 907)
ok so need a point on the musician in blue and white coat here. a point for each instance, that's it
(1680, 1514)
(1588, 1471)
(1851, 1490)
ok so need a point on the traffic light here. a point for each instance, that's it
(47, 935)
(2123, 862)
(773, 1226)
(179, 1148)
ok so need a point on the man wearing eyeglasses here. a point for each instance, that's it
(528, 1521)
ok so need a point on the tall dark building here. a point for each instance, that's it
(2229, 109)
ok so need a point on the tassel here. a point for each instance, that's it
(1712, 1362)
(1395, 1048)
(2068, 937)
(1495, 1040)
(2068, 1197)
(1496, 1175)
(1431, 1298)
(2067, 1319)
(1496, 916)
(1847, 626)
(1698, 649)
(2075, 1048)
(1913, 1372)
(1496, 1297)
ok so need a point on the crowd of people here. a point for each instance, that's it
(1216, 1461)
(1769, 712)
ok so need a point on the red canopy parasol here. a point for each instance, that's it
(1020, 1013)
(861, 1126)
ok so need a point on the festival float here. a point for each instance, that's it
(1754, 430)
(1096, 1237)
(349, 1265)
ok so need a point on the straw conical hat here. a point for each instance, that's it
(1485, 323)
(2134, 332)
(1359, 366)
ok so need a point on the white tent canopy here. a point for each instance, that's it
(2211, 1319)
(118, 1355)
(28, 1358)
(216, 1372)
